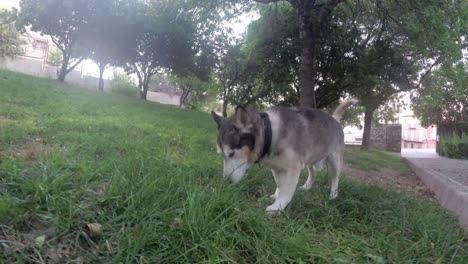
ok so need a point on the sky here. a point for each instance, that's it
(7, 4)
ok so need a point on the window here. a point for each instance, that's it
(37, 44)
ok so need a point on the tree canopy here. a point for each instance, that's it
(443, 98)
(10, 41)
(64, 21)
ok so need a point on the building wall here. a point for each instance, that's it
(386, 138)
(35, 67)
(163, 98)
(414, 135)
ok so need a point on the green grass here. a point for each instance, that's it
(373, 160)
(150, 175)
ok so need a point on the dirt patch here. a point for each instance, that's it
(52, 249)
(29, 152)
(391, 179)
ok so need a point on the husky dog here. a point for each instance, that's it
(286, 140)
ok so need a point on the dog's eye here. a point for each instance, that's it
(231, 154)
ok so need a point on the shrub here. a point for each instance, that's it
(55, 58)
(122, 84)
(454, 146)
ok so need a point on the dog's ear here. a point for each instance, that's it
(217, 118)
(243, 119)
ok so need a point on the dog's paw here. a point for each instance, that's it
(273, 209)
(275, 195)
(333, 195)
(305, 187)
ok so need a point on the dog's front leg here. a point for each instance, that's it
(276, 175)
(287, 183)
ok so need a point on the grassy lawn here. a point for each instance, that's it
(373, 160)
(150, 175)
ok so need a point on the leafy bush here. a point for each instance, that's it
(454, 146)
(122, 84)
(55, 58)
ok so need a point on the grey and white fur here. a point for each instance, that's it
(301, 138)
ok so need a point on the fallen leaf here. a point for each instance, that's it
(39, 241)
(94, 230)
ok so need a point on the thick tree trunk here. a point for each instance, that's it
(63, 69)
(184, 96)
(308, 36)
(225, 105)
(144, 85)
(368, 114)
(144, 90)
(102, 67)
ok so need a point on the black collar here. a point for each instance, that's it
(267, 133)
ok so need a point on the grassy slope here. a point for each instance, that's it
(150, 175)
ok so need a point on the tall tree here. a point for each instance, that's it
(443, 97)
(108, 34)
(311, 16)
(398, 44)
(164, 41)
(10, 41)
(64, 21)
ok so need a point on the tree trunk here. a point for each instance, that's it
(368, 115)
(308, 36)
(63, 69)
(184, 96)
(145, 85)
(225, 105)
(144, 91)
(102, 67)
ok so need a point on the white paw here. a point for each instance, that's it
(273, 209)
(333, 195)
(305, 187)
(275, 195)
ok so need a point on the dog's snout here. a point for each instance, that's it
(227, 177)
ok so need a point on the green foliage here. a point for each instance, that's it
(195, 91)
(443, 97)
(64, 21)
(454, 146)
(55, 58)
(150, 175)
(122, 84)
(272, 47)
(10, 41)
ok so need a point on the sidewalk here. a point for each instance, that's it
(448, 178)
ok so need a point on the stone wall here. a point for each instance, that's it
(386, 138)
(35, 67)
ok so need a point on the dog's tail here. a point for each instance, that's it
(342, 107)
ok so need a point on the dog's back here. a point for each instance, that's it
(311, 133)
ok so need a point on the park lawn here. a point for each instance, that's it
(150, 175)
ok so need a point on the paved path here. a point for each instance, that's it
(448, 178)
(419, 153)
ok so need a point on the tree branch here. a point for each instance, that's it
(327, 9)
(429, 71)
(74, 66)
(56, 42)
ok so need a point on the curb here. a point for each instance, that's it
(450, 194)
